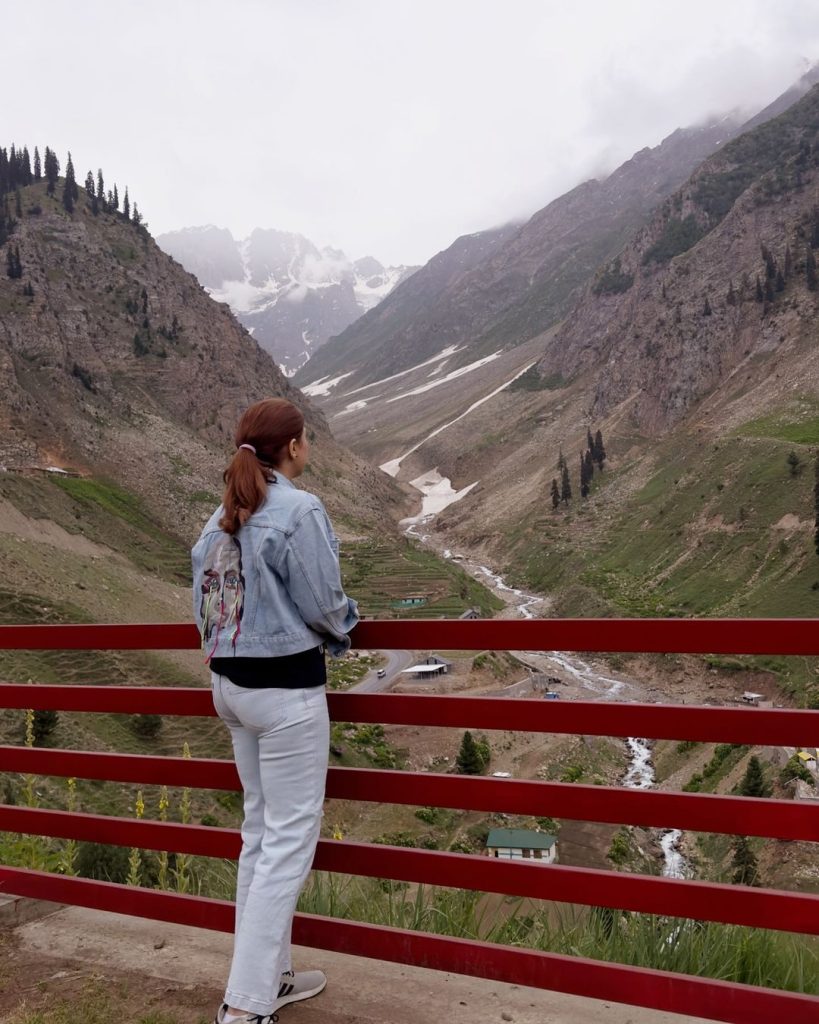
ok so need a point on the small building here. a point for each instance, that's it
(410, 601)
(521, 844)
(434, 665)
(470, 613)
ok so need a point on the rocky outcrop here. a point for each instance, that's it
(718, 276)
(120, 364)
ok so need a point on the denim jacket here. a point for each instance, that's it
(274, 588)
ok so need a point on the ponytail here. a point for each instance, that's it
(264, 431)
(245, 490)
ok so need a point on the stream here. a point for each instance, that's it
(640, 772)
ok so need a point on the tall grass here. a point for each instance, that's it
(727, 952)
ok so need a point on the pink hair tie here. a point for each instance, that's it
(249, 447)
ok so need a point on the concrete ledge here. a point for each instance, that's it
(19, 910)
(359, 991)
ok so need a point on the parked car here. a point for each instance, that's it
(381, 673)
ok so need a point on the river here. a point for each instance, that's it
(640, 771)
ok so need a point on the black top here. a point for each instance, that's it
(289, 672)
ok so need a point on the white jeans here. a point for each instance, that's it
(281, 741)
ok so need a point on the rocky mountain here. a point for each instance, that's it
(525, 277)
(289, 294)
(530, 281)
(721, 276)
(693, 349)
(115, 361)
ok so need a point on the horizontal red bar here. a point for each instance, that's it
(692, 812)
(636, 986)
(128, 700)
(172, 836)
(143, 769)
(589, 718)
(692, 636)
(698, 812)
(706, 901)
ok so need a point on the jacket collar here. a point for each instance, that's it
(282, 479)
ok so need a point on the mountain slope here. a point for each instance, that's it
(527, 281)
(715, 280)
(120, 363)
(290, 295)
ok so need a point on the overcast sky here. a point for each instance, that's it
(382, 127)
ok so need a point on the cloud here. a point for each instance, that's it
(382, 129)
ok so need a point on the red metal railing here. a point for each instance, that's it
(794, 912)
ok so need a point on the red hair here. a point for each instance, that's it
(269, 426)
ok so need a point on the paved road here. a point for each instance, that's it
(397, 661)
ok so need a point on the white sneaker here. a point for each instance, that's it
(246, 1018)
(297, 985)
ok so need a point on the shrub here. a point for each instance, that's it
(146, 726)
(678, 236)
(612, 280)
(795, 769)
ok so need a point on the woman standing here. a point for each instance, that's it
(268, 599)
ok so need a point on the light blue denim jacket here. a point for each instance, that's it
(275, 587)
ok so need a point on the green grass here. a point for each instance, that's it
(379, 574)
(804, 431)
(727, 952)
(105, 513)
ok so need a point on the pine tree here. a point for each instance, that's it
(589, 465)
(794, 463)
(814, 235)
(556, 502)
(14, 267)
(68, 196)
(706, 309)
(52, 170)
(26, 177)
(810, 271)
(126, 206)
(70, 192)
(584, 479)
(731, 297)
(788, 262)
(90, 191)
(565, 486)
(38, 170)
(760, 295)
(469, 760)
(100, 189)
(115, 198)
(769, 293)
(69, 176)
(561, 461)
(136, 216)
(753, 782)
(599, 450)
(744, 863)
(589, 440)
(18, 206)
(780, 281)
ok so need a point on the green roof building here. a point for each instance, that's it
(521, 844)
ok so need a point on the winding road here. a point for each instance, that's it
(397, 661)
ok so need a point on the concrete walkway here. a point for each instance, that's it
(359, 991)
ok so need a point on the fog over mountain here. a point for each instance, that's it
(291, 295)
